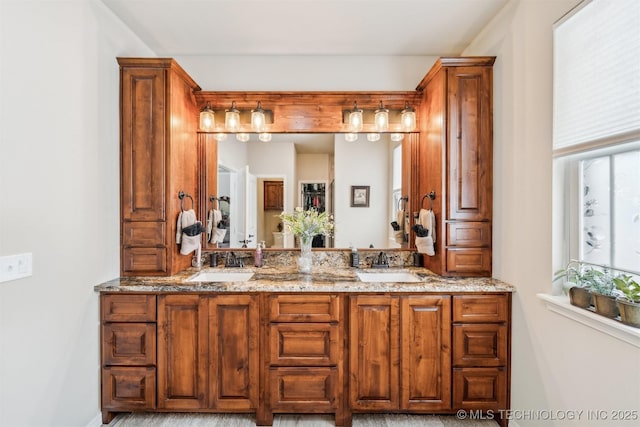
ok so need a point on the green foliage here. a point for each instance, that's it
(308, 223)
(629, 287)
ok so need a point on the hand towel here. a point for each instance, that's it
(187, 243)
(209, 225)
(398, 235)
(216, 231)
(425, 245)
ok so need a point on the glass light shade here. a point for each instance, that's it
(207, 118)
(264, 137)
(373, 137)
(258, 121)
(351, 137)
(355, 119)
(395, 137)
(232, 118)
(408, 118)
(242, 137)
(381, 118)
(220, 136)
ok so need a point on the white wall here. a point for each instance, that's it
(59, 199)
(557, 363)
(361, 163)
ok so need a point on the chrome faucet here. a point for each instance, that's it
(380, 261)
(233, 261)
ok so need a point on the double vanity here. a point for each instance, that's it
(339, 341)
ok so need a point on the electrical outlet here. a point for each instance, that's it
(14, 267)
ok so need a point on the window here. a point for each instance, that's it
(596, 135)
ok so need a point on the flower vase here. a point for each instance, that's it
(305, 261)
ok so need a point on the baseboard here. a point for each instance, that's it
(96, 421)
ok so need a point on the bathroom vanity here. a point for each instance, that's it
(282, 342)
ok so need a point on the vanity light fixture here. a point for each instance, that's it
(232, 118)
(381, 118)
(258, 121)
(220, 136)
(350, 137)
(264, 137)
(395, 137)
(242, 137)
(408, 118)
(373, 137)
(355, 118)
(207, 118)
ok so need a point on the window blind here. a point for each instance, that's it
(596, 73)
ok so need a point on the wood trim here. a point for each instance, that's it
(454, 61)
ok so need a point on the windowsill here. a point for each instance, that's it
(562, 306)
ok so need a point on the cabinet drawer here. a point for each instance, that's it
(144, 260)
(143, 234)
(306, 308)
(470, 261)
(469, 234)
(128, 308)
(303, 389)
(129, 344)
(480, 345)
(480, 388)
(480, 308)
(304, 344)
(128, 388)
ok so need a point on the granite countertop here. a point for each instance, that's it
(287, 279)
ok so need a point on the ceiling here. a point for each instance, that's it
(306, 27)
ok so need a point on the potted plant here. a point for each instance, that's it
(629, 302)
(604, 293)
(577, 286)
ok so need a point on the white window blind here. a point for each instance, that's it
(597, 73)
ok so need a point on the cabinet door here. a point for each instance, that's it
(470, 156)
(182, 352)
(233, 364)
(426, 352)
(273, 195)
(374, 352)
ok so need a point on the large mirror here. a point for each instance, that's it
(358, 182)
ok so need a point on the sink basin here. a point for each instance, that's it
(391, 276)
(221, 276)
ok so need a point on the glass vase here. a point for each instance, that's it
(305, 261)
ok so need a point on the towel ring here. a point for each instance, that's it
(213, 200)
(404, 199)
(431, 196)
(181, 196)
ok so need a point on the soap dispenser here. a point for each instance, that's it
(257, 257)
(355, 258)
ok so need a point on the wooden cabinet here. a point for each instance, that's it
(456, 162)
(303, 365)
(481, 348)
(399, 353)
(158, 151)
(273, 195)
(128, 353)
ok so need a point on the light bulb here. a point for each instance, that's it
(242, 137)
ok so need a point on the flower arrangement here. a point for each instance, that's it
(307, 224)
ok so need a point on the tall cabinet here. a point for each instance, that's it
(158, 158)
(456, 162)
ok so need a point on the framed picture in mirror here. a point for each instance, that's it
(359, 196)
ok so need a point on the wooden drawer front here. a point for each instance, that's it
(128, 308)
(303, 389)
(480, 345)
(480, 388)
(129, 344)
(304, 344)
(307, 308)
(144, 260)
(128, 388)
(469, 234)
(143, 234)
(480, 308)
(471, 261)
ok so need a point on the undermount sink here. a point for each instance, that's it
(390, 276)
(221, 276)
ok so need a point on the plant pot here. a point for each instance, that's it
(629, 312)
(606, 305)
(580, 297)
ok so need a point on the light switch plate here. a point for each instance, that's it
(14, 267)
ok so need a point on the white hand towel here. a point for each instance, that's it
(425, 245)
(398, 235)
(187, 243)
(179, 228)
(217, 232)
(209, 225)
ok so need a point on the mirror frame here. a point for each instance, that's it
(308, 112)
